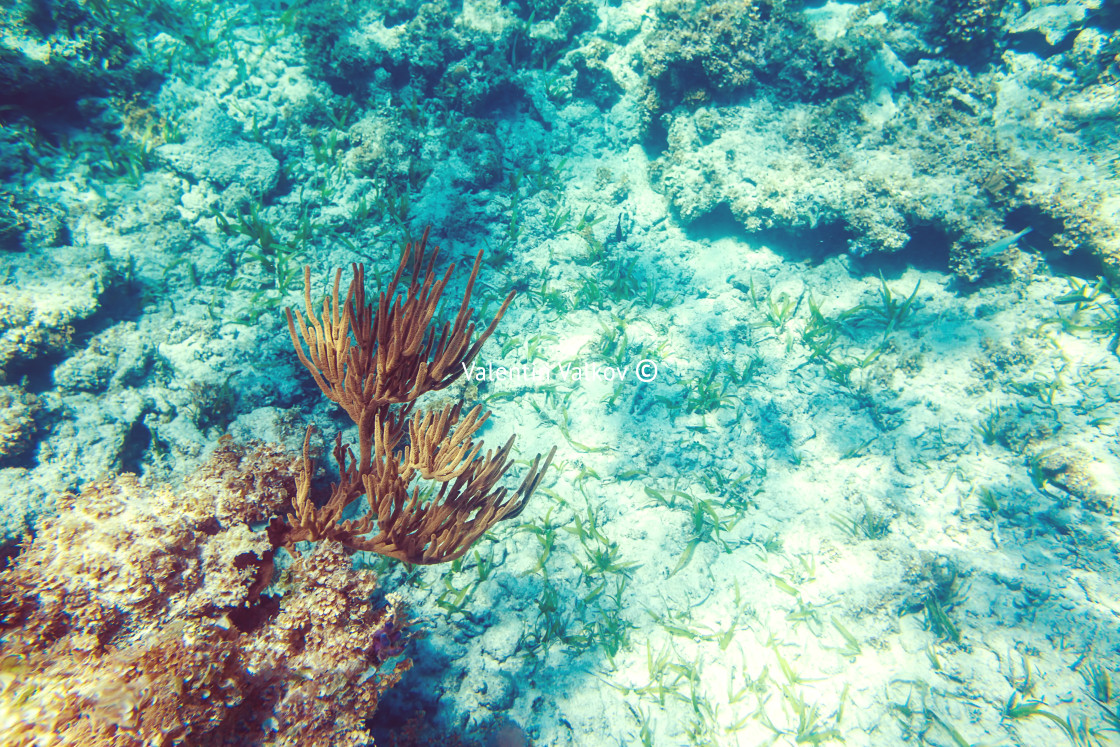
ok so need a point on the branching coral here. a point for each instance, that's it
(370, 358)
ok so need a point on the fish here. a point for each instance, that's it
(1001, 246)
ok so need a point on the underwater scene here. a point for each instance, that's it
(495, 373)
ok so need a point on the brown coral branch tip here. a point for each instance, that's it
(432, 490)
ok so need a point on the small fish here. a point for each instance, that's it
(1001, 246)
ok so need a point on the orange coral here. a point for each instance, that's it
(136, 617)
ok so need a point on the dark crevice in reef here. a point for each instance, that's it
(718, 223)
(813, 245)
(1044, 227)
(927, 249)
(251, 617)
(8, 551)
(34, 375)
(136, 443)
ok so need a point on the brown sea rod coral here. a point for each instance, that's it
(137, 617)
(374, 360)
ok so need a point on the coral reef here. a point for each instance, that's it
(144, 615)
(795, 168)
(834, 451)
(67, 53)
(214, 151)
(25, 221)
(896, 135)
(700, 51)
(17, 423)
(39, 310)
(968, 30)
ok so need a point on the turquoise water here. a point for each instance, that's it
(815, 303)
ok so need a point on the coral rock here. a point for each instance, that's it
(143, 616)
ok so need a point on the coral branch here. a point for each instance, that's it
(375, 361)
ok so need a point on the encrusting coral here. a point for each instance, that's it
(369, 358)
(137, 617)
(142, 615)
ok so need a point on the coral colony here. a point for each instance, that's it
(145, 615)
(394, 358)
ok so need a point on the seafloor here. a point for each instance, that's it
(825, 294)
